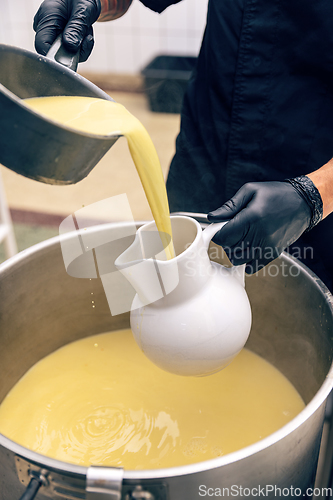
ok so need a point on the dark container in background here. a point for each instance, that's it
(165, 82)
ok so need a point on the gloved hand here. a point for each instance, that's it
(265, 218)
(73, 18)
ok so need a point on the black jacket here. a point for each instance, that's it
(259, 105)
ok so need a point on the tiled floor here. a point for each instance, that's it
(115, 174)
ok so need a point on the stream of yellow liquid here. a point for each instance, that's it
(100, 401)
(102, 117)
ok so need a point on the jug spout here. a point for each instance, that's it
(144, 264)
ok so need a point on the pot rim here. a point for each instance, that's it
(66, 467)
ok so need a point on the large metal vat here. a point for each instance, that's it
(42, 308)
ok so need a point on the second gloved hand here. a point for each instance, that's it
(73, 18)
(265, 218)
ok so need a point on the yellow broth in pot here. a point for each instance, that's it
(100, 401)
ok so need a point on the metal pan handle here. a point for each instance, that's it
(59, 54)
(32, 489)
(38, 478)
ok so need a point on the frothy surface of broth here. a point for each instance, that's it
(100, 401)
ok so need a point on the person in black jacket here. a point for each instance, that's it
(257, 120)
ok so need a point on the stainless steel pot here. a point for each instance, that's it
(43, 308)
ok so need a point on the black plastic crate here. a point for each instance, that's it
(165, 80)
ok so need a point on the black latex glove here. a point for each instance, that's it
(266, 217)
(73, 18)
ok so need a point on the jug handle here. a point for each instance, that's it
(207, 234)
(59, 54)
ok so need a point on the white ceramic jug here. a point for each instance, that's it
(190, 316)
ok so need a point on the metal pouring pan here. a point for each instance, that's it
(35, 146)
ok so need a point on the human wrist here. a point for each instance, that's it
(310, 193)
(112, 9)
(323, 180)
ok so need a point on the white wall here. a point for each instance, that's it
(125, 45)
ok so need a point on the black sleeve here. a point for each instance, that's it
(158, 5)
